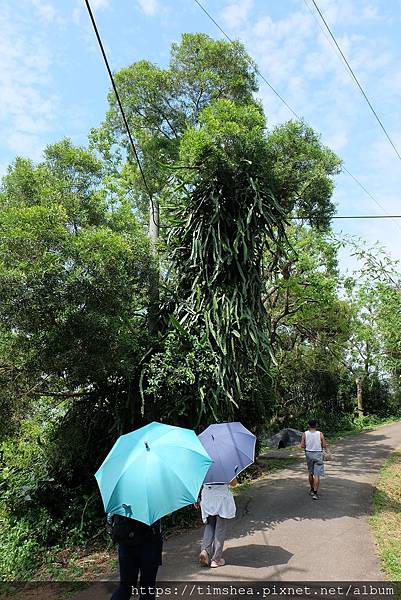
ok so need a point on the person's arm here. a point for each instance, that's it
(197, 503)
(303, 441)
(234, 482)
(323, 441)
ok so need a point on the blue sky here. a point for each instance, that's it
(53, 82)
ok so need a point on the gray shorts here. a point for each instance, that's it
(314, 460)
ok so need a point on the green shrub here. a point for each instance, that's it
(20, 552)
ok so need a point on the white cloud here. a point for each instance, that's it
(29, 109)
(76, 14)
(46, 11)
(149, 7)
(100, 4)
(370, 12)
(352, 12)
(236, 13)
(337, 140)
(3, 169)
(95, 5)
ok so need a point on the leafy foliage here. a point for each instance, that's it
(219, 228)
(74, 278)
(301, 172)
(161, 104)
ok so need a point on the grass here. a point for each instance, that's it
(75, 564)
(275, 464)
(69, 570)
(386, 519)
(361, 424)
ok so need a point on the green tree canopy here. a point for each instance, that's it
(162, 104)
(73, 281)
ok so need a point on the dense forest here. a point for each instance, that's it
(207, 290)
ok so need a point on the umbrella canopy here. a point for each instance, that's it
(232, 448)
(152, 471)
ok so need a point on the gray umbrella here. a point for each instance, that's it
(232, 448)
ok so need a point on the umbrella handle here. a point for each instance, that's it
(127, 508)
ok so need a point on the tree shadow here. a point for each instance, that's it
(256, 555)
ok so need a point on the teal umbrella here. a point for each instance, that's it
(152, 471)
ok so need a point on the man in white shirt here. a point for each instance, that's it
(313, 442)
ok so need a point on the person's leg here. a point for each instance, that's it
(128, 560)
(147, 580)
(219, 539)
(309, 464)
(209, 535)
(150, 559)
(318, 472)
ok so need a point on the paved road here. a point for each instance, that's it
(281, 534)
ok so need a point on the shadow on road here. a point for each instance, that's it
(257, 556)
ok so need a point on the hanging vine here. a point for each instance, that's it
(222, 220)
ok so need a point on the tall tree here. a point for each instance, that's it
(160, 104)
(302, 171)
(221, 224)
(364, 344)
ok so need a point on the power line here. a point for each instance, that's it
(92, 18)
(250, 62)
(322, 29)
(356, 80)
(260, 75)
(360, 217)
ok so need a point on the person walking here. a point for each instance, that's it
(217, 507)
(313, 442)
(139, 555)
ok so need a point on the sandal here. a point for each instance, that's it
(218, 563)
(204, 559)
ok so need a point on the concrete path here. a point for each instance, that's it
(281, 534)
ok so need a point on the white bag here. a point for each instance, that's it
(327, 454)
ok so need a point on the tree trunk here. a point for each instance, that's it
(359, 395)
(153, 309)
(154, 280)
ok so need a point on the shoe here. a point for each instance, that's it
(315, 496)
(218, 563)
(204, 559)
(311, 492)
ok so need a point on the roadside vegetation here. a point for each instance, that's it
(229, 310)
(386, 519)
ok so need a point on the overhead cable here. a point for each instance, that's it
(113, 83)
(293, 112)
